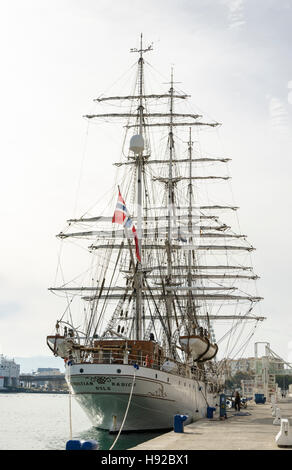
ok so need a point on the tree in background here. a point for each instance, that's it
(284, 381)
(235, 380)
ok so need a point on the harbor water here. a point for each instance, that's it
(36, 421)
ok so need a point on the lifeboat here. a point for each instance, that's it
(60, 345)
(199, 347)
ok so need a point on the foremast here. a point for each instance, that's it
(138, 274)
(169, 296)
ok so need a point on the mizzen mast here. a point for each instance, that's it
(190, 307)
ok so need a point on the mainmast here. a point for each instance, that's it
(170, 183)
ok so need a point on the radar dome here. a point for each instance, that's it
(137, 143)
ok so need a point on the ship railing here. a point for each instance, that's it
(143, 359)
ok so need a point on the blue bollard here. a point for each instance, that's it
(210, 411)
(178, 425)
(89, 445)
(75, 444)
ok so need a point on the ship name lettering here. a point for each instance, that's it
(122, 385)
(82, 383)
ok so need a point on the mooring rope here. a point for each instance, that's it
(128, 406)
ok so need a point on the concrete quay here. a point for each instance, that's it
(253, 432)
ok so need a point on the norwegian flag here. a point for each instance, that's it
(121, 216)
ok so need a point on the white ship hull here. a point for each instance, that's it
(103, 392)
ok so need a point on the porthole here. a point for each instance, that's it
(81, 371)
(119, 371)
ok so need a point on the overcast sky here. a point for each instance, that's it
(232, 56)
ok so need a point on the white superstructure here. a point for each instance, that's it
(9, 372)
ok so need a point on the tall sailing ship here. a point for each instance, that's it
(165, 271)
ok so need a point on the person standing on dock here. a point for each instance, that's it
(237, 402)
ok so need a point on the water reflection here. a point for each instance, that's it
(125, 441)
